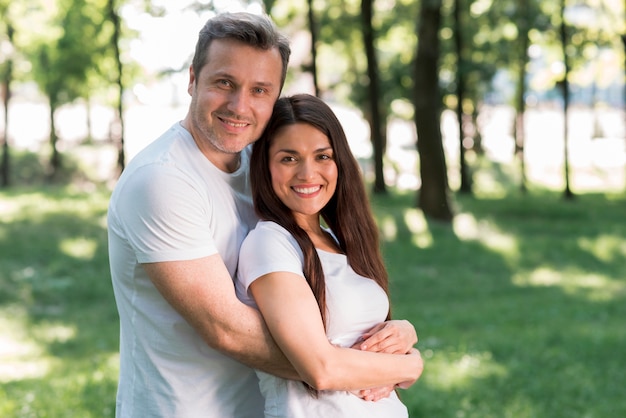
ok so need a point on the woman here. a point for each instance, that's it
(319, 288)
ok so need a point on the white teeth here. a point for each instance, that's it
(236, 125)
(306, 190)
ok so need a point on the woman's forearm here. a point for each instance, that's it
(348, 369)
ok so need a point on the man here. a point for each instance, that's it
(176, 220)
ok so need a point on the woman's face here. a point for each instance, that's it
(303, 169)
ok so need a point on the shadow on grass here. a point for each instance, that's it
(520, 314)
(57, 299)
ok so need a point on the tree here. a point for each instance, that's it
(313, 30)
(523, 23)
(118, 132)
(61, 61)
(6, 68)
(466, 178)
(434, 193)
(375, 114)
(567, 192)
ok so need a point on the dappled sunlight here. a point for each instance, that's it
(416, 223)
(388, 228)
(81, 248)
(21, 357)
(608, 248)
(592, 286)
(448, 371)
(8, 208)
(487, 184)
(14, 209)
(467, 228)
(53, 333)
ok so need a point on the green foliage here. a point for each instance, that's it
(61, 63)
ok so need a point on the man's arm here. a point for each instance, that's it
(202, 292)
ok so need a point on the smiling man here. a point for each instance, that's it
(176, 221)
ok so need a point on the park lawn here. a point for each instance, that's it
(520, 305)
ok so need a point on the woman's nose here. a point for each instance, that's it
(306, 169)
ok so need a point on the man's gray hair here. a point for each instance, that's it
(255, 30)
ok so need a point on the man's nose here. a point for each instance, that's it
(239, 102)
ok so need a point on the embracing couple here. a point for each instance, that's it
(248, 278)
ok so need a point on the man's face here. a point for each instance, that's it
(233, 96)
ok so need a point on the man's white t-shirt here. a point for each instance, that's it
(171, 203)
(354, 305)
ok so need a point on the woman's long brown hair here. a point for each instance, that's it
(348, 213)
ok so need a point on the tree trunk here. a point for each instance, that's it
(466, 180)
(434, 194)
(119, 132)
(377, 129)
(6, 97)
(55, 158)
(313, 30)
(624, 98)
(520, 102)
(89, 139)
(567, 193)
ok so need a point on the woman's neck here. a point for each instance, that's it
(321, 239)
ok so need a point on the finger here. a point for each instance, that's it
(375, 339)
(373, 330)
(390, 345)
(377, 394)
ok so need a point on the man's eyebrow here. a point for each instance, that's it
(227, 75)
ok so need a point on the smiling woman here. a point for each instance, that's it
(331, 281)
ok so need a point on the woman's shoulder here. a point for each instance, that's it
(268, 234)
(269, 228)
(269, 241)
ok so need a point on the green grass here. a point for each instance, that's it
(58, 323)
(520, 305)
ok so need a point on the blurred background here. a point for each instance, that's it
(492, 136)
(531, 84)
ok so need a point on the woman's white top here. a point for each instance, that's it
(354, 305)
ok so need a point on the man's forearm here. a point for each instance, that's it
(250, 342)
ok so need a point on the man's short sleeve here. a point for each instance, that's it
(164, 216)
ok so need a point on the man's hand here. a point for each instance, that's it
(392, 337)
(374, 394)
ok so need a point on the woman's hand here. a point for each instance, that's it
(393, 337)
